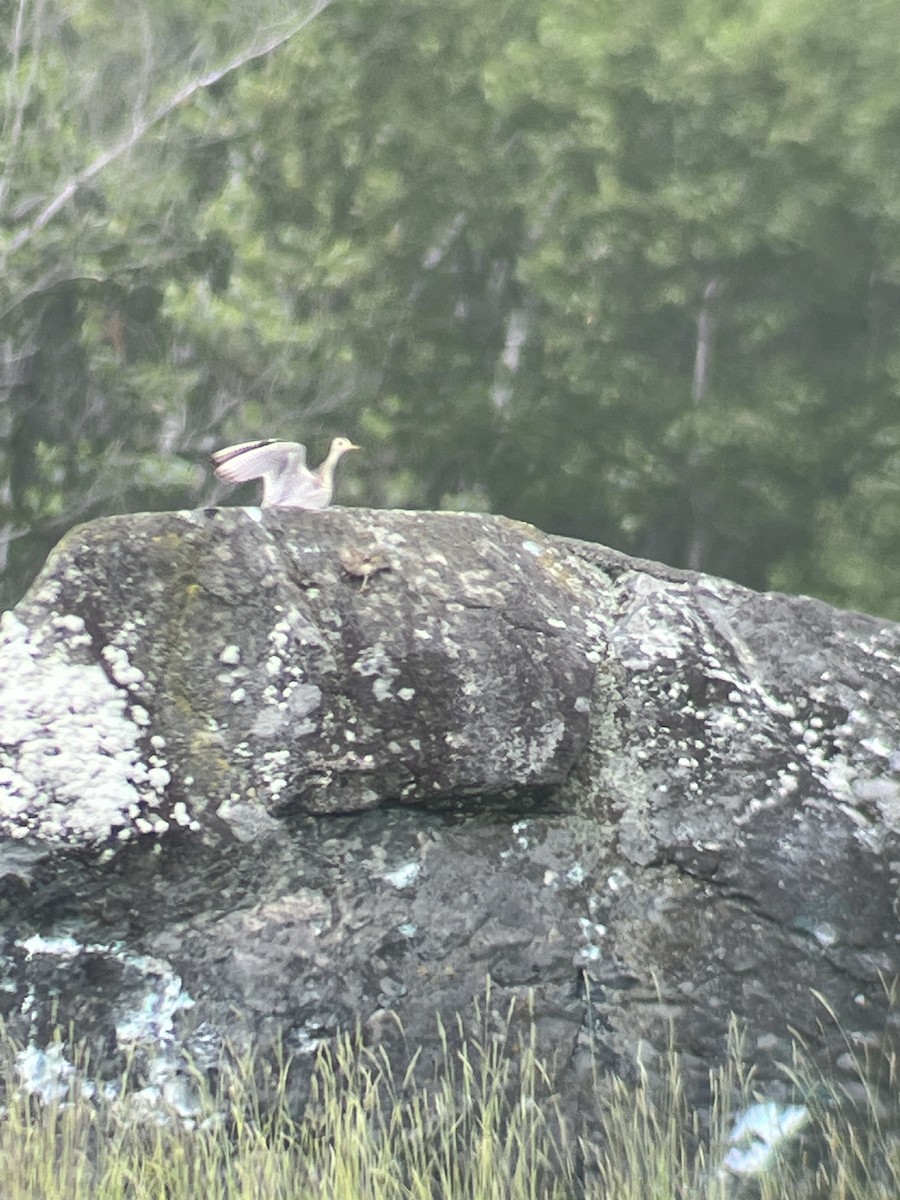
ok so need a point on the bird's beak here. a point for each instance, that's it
(353, 446)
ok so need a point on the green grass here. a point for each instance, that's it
(486, 1127)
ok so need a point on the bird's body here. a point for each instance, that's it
(364, 561)
(287, 480)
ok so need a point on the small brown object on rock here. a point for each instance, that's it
(363, 562)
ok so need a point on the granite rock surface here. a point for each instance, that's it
(289, 771)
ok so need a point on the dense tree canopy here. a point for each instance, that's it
(629, 272)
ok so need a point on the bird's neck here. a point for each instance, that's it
(326, 470)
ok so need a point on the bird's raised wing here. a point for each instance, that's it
(252, 460)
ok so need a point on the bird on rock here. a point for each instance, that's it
(287, 480)
(363, 561)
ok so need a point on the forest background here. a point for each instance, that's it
(628, 271)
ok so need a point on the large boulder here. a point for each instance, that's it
(323, 663)
(265, 775)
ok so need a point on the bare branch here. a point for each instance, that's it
(141, 128)
(18, 92)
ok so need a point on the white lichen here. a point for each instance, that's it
(71, 763)
(403, 877)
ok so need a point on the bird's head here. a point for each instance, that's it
(339, 446)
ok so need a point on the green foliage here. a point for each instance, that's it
(629, 272)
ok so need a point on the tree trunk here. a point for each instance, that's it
(700, 499)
